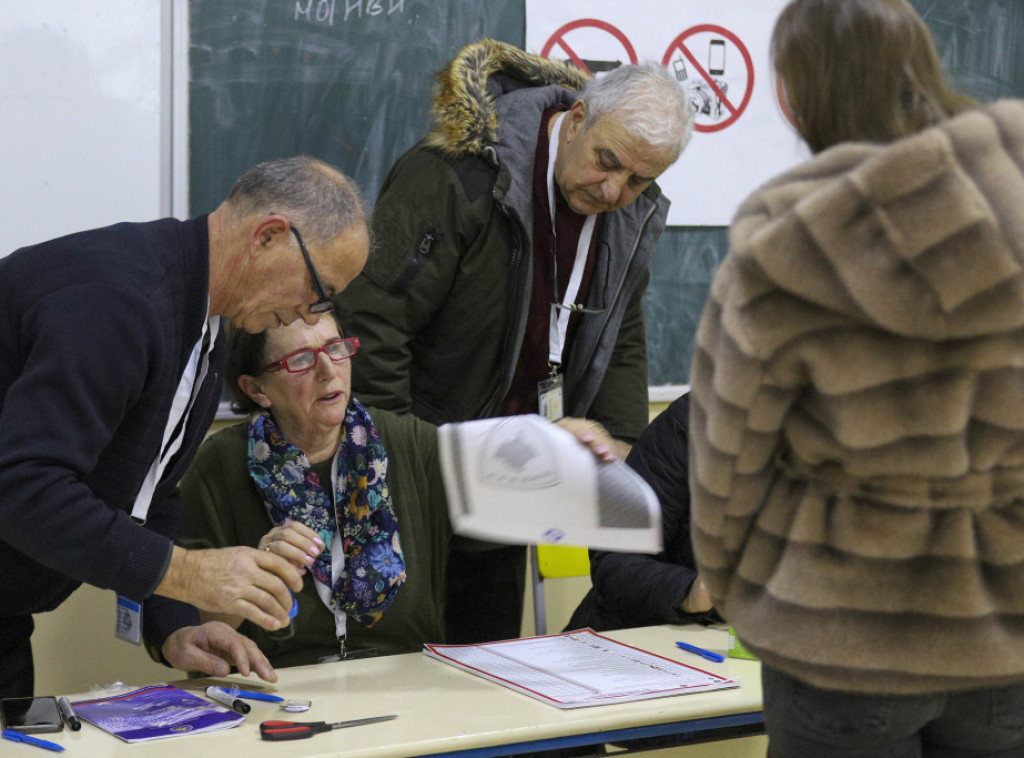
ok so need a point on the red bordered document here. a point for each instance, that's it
(579, 669)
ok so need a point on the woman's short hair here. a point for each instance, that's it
(247, 357)
(863, 70)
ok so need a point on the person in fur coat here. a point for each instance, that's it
(857, 411)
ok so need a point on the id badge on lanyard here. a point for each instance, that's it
(128, 625)
(549, 395)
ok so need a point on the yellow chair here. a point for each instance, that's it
(553, 562)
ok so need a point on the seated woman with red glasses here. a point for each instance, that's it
(355, 497)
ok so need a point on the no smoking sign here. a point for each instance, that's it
(715, 68)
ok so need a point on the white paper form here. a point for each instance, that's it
(578, 669)
(523, 480)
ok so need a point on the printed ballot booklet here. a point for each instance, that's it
(523, 480)
(155, 712)
(578, 669)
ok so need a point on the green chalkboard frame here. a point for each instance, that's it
(349, 81)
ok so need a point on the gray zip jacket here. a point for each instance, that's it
(441, 306)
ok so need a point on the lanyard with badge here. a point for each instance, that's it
(128, 623)
(550, 391)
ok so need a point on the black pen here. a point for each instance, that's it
(68, 714)
(224, 697)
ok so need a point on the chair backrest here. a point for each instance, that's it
(551, 562)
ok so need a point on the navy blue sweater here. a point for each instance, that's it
(634, 589)
(95, 331)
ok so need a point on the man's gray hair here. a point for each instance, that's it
(318, 199)
(648, 102)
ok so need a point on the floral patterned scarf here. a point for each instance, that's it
(361, 511)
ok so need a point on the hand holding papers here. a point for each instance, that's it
(521, 479)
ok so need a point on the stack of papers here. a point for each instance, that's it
(151, 713)
(578, 669)
(523, 480)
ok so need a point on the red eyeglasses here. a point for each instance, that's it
(337, 350)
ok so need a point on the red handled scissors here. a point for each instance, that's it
(277, 731)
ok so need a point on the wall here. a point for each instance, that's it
(83, 114)
(81, 117)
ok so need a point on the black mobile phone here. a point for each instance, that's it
(716, 57)
(31, 714)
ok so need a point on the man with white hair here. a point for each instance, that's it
(513, 248)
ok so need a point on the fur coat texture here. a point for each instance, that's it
(857, 445)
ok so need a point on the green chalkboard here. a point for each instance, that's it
(349, 81)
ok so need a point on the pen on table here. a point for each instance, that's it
(68, 714)
(226, 698)
(716, 657)
(13, 736)
(248, 695)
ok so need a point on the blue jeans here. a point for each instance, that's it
(808, 722)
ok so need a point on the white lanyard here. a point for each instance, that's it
(337, 566)
(559, 324)
(184, 398)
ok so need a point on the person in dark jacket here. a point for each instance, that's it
(514, 249)
(110, 373)
(636, 589)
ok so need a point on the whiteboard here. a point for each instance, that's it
(85, 113)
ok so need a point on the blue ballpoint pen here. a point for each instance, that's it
(265, 697)
(716, 657)
(13, 736)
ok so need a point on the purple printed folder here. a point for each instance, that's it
(155, 712)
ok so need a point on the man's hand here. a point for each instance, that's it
(240, 581)
(591, 434)
(213, 648)
(697, 600)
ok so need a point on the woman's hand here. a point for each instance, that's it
(594, 436)
(295, 542)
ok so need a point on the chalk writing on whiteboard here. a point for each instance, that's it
(323, 11)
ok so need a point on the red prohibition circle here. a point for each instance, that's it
(604, 26)
(737, 111)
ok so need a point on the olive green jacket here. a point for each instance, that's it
(441, 306)
(220, 507)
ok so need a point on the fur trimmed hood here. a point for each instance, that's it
(465, 113)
